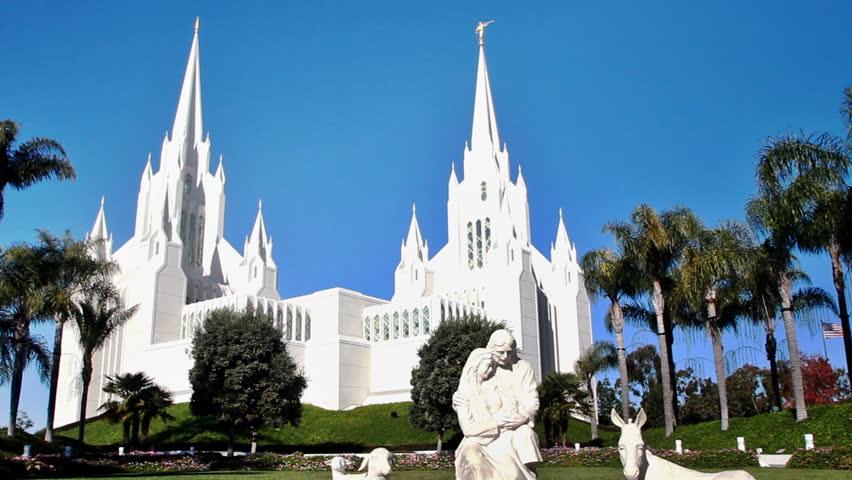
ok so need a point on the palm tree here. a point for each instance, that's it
(155, 404)
(657, 242)
(96, 317)
(126, 391)
(22, 292)
(32, 161)
(608, 274)
(762, 302)
(599, 357)
(709, 276)
(792, 173)
(561, 397)
(75, 268)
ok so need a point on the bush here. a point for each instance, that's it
(832, 458)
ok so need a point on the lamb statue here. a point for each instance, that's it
(641, 464)
(378, 464)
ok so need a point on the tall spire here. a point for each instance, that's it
(484, 133)
(414, 246)
(100, 234)
(259, 242)
(188, 119)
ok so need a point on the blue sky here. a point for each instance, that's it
(340, 115)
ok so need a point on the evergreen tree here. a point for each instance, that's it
(243, 374)
(437, 376)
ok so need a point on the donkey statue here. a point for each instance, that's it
(640, 464)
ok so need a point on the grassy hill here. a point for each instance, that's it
(362, 428)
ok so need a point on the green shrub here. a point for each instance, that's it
(832, 458)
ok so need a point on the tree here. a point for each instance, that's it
(561, 396)
(243, 375)
(608, 274)
(709, 274)
(74, 269)
(100, 313)
(608, 399)
(30, 162)
(135, 401)
(820, 380)
(643, 369)
(599, 357)
(792, 174)
(23, 281)
(656, 242)
(436, 377)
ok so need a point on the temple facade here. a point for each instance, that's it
(355, 349)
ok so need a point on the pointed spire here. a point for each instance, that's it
(520, 181)
(454, 180)
(413, 245)
(99, 229)
(562, 233)
(220, 171)
(484, 133)
(188, 119)
(259, 242)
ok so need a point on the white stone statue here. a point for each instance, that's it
(640, 464)
(378, 464)
(496, 404)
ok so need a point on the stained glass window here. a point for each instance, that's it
(415, 322)
(405, 324)
(426, 325)
(395, 324)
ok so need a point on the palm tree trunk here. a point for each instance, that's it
(593, 422)
(840, 286)
(15, 387)
(125, 432)
(618, 326)
(793, 346)
(144, 427)
(719, 361)
(771, 350)
(86, 376)
(54, 379)
(134, 433)
(672, 373)
(231, 435)
(659, 306)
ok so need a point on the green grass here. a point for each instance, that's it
(588, 473)
(364, 427)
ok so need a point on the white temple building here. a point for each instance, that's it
(355, 349)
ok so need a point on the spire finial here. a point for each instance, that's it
(560, 213)
(260, 205)
(197, 24)
(480, 30)
(102, 201)
(413, 208)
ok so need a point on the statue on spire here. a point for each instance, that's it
(480, 30)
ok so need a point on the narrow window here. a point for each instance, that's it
(279, 321)
(415, 274)
(415, 322)
(470, 245)
(386, 327)
(479, 243)
(487, 234)
(367, 328)
(395, 325)
(484, 189)
(190, 248)
(426, 324)
(200, 250)
(376, 329)
(288, 331)
(187, 181)
(405, 324)
(307, 326)
(183, 227)
(298, 325)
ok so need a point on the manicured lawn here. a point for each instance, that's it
(544, 474)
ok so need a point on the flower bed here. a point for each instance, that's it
(47, 465)
(833, 458)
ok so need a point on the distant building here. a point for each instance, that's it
(355, 349)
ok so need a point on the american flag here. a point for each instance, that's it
(831, 330)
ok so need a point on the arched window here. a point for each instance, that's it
(288, 329)
(307, 326)
(200, 250)
(487, 234)
(187, 182)
(443, 312)
(298, 325)
(386, 327)
(183, 227)
(367, 328)
(183, 326)
(415, 322)
(470, 245)
(479, 243)
(426, 325)
(405, 324)
(484, 188)
(279, 321)
(395, 325)
(190, 247)
(377, 329)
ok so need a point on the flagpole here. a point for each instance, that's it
(824, 348)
